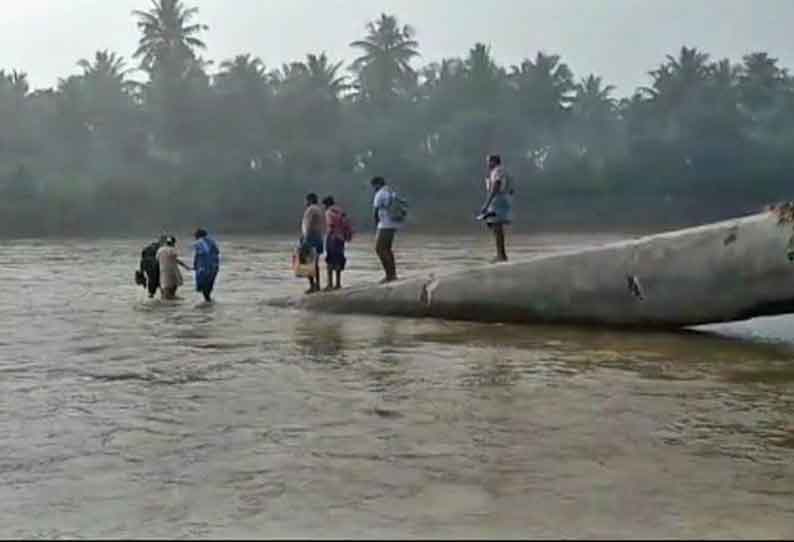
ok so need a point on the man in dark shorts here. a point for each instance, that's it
(313, 235)
(149, 274)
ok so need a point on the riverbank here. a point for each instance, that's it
(564, 215)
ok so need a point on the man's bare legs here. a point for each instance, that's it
(331, 286)
(314, 282)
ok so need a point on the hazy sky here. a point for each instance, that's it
(619, 39)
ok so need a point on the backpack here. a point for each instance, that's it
(397, 209)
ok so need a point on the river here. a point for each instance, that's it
(123, 417)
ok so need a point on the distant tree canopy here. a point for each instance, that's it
(236, 147)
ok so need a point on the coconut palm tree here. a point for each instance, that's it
(544, 85)
(722, 88)
(761, 82)
(105, 64)
(384, 69)
(15, 83)
(440, 74)
(690, 65)
(483, 78)
(242, 75)
(14, 107)
(289, 74)
(542, 89)
(308, 111)
(680, 78)
(324, 75)
(593, 100)
(108, 74)
(169, 38)
(316, 77)
(242, 105)
(178, 89)
(678, 98)
(441, 90)
(593, 119)
(724, 74)
(73, 119)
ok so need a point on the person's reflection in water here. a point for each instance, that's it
(330, 339)
(387, 366)
(385, 332)
(321, 337)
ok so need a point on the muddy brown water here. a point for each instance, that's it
(123, 417)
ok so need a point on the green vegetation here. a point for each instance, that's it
(236, 147)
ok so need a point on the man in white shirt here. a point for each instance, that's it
(387, 224)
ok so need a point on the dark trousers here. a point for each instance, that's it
(383, 247)
(152, 273)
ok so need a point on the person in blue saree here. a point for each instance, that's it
(206, 263)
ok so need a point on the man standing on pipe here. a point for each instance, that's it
(498, 209)
(389, 217)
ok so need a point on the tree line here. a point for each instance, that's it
(236, 146)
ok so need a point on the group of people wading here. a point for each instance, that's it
(160, 263)
(325, 230)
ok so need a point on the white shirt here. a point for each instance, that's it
(383, 199)
(497, 174)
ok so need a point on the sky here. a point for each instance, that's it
(620, 40)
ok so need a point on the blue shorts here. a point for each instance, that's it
(316, 243)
